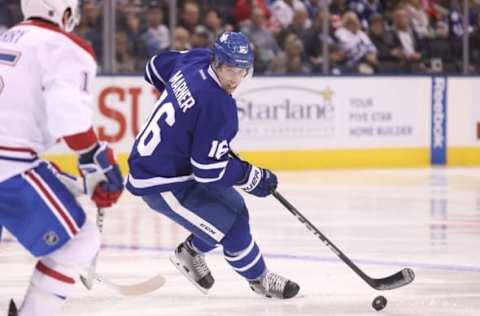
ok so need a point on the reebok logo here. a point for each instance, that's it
(438, 117)
(438, 145)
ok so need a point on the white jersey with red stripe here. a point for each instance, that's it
(46, 81)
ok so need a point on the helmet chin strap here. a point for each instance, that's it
(70, 22)
(69, 25)
(215, 66)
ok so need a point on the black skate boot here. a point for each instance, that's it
(274, 285)
(12, 309)
(193, 266)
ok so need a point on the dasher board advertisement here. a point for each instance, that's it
(328, 113)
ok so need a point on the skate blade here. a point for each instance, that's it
(180, 268)
(12, 309)
(88, 283)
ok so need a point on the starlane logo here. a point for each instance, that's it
(439, 120)
(277, 103)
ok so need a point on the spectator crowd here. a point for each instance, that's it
(363, 36)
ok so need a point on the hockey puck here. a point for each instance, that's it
(379, 303)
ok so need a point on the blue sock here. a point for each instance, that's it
(200, 246)
(249, 262)
(241, 251)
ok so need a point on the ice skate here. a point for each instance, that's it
(193, 266)
(12, 309)
(274, 285)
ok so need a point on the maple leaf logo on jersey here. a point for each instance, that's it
(224, 37)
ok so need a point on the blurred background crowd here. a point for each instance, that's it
(292, 36)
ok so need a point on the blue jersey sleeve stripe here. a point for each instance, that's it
(207, 180)
(155, 72)
(216, 165)
(208, 174)
(150, 182)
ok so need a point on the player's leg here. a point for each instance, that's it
(243, 254)
(240, 249)
(218, 216)
(208, 214)
(47, 220)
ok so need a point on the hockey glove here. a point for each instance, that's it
(76, 185)
(258, 181)
(99, 166)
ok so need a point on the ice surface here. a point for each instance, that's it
(384, 220)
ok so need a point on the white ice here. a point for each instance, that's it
(384, 220)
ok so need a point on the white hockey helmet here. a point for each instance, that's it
(53, 10)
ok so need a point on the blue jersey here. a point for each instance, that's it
(187, 136)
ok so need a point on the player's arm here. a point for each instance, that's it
(67, 80)
(212, 164)
(159, 68)
(224, 170)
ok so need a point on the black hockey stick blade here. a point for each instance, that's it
(399, 279)
(12, 309)
(391, 282)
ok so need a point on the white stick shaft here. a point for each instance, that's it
(88, 280)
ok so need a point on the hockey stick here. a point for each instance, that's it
(77, 187)
(399, 279)
(88, 280)
(140, 288)
(396, 280)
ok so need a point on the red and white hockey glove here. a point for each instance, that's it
(100, 166)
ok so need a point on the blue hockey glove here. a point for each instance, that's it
(258, 181)
(100, 162)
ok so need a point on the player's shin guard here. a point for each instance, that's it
(241, 251)
(53, 278)
(248, 262)
(39, 302)
(199, 245)
(243, 254)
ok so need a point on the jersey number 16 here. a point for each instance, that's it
(150, 136)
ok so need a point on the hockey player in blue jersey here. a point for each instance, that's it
(180, 163)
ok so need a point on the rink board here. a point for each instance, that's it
(463, 121)
(320, 122)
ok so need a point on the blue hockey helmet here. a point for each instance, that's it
(233, 49)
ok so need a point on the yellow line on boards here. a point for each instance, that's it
(306, 159)
(340, 158)
(463, 156)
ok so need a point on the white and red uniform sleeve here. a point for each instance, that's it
(46, 80)
(69, 69)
